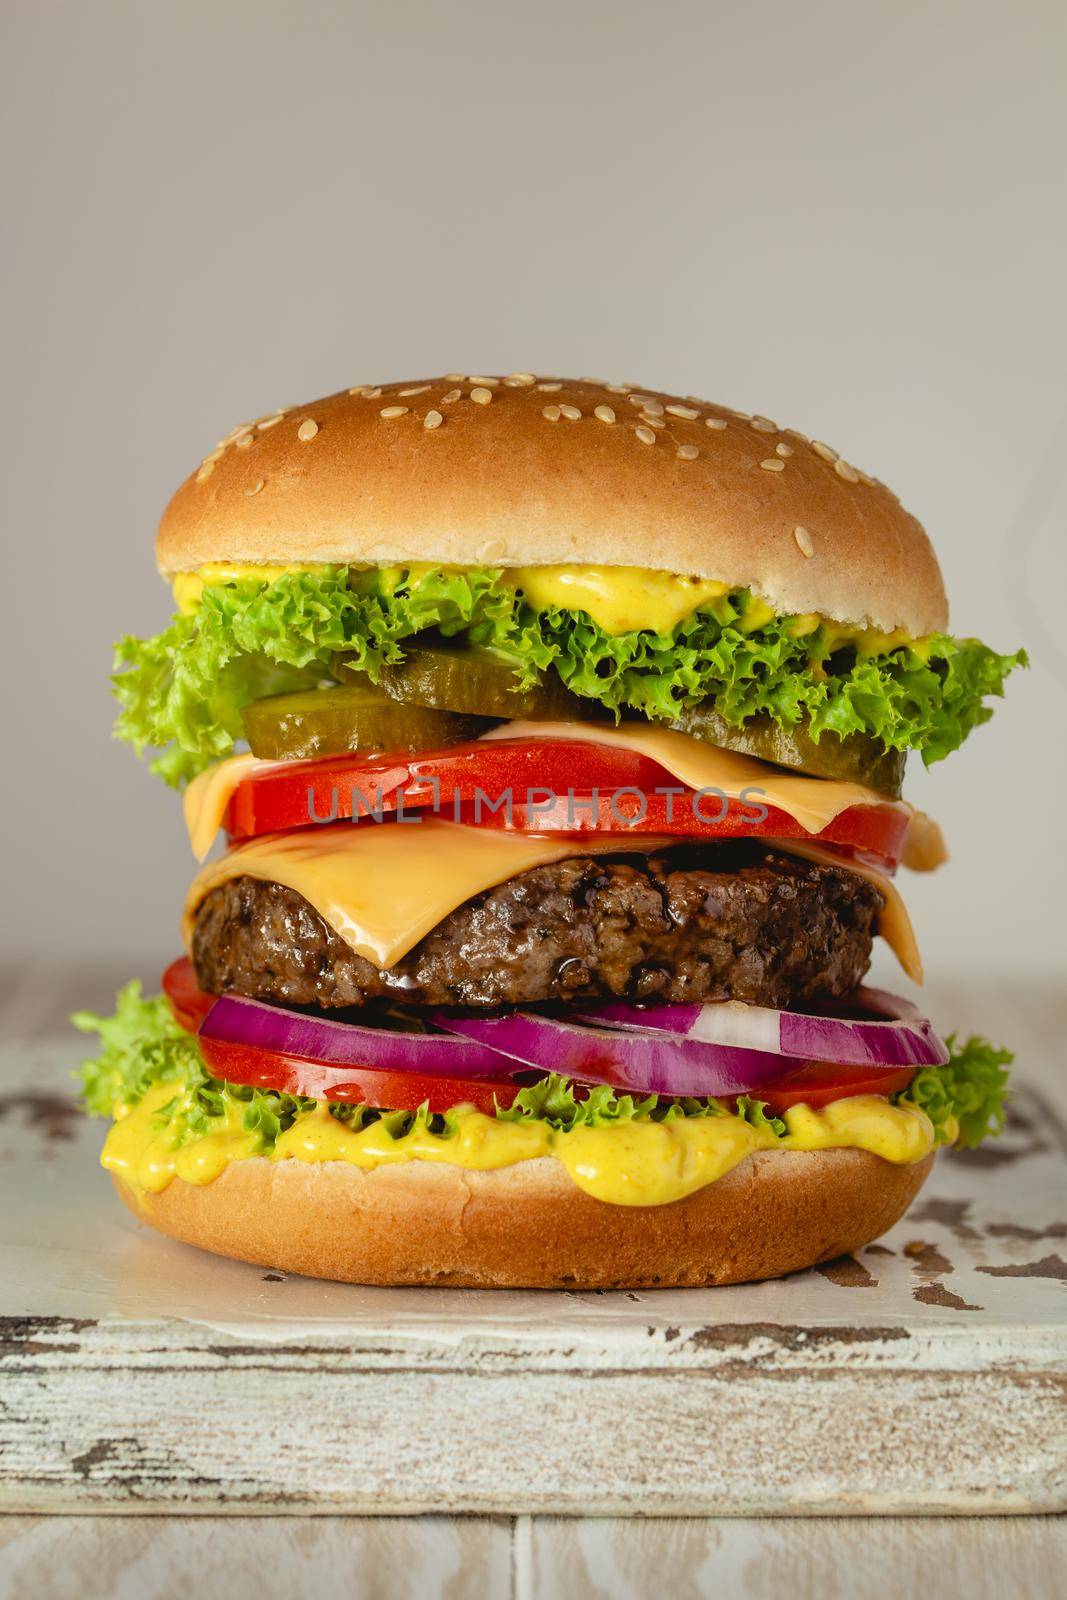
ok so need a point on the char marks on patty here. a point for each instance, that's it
(729, 921)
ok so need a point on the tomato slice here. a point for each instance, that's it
(387, 1091)
(534, 786)
(189, 1003)
(817, 1083)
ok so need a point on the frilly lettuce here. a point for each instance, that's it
(965, 1098)
(181, 692)
(141, 1045)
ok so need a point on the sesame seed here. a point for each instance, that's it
(551, 413)
(683, 411)
(219, 450)
(772, 464)
(549, 388)
(271, 422)
(688, 452)
(307, 429)
(481, 395)
(643, 400)
(784, 449)
(519, 380)
(487, 383)
(646, 435)
(598, 383)
(718, 423)
(653, 406)
(372, 394)
(845, 470)
(827, 452)
(256, 487)
(653, 421)
(420, 389)
(571, 413)
(455, 377)
(452, 396)
(244, 441)
(803, 539)
(361, 388)
(866, 478)
(764, 425)
(432, 419)
(492, 550)
(604, 413)
(206, 469)
(393, 411)
(617, 388)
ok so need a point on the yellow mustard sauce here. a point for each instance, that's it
(188, 587)
(639, 1163)
(619, 599)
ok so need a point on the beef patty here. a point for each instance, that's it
(729, 921)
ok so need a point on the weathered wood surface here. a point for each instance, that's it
(530, 1558)
(927, 1375)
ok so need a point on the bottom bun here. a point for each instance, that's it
(529, 1227)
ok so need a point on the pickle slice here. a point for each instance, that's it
(476, 681)
(857, 758)
(328, 722)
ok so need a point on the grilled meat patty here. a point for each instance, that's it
(720, 921)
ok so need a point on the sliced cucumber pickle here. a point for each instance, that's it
(476, 681)
(857, 758)
(328, 722)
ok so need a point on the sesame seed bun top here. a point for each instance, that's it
(526, 471)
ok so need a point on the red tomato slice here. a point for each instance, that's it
(388, 1091)
(189, 1003)
(555, 786)
(817, 1083)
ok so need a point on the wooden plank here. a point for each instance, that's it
(170, 1558)
(818, 1559)
(138, 1374)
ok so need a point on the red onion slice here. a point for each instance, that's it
(647, 1062)
(235, 1020)
(902, 1038)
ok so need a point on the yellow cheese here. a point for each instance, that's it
(894, 923)
(812, 802)
(639, 1163)
(205, 800)
(382, 886)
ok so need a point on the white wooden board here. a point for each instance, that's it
(137, 1374)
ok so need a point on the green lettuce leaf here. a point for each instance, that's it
(181, 692)
(968, 1092)
(142, 1045)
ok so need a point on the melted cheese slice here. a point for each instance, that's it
(382, 886)
(205, 800)
(811, 802)
(893, 921)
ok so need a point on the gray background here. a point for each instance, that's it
(847, 216)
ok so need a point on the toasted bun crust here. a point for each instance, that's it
(500, 484)
(529, 1226)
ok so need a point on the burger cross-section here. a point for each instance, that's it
(550, 739)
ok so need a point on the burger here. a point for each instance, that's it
(542, 743)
